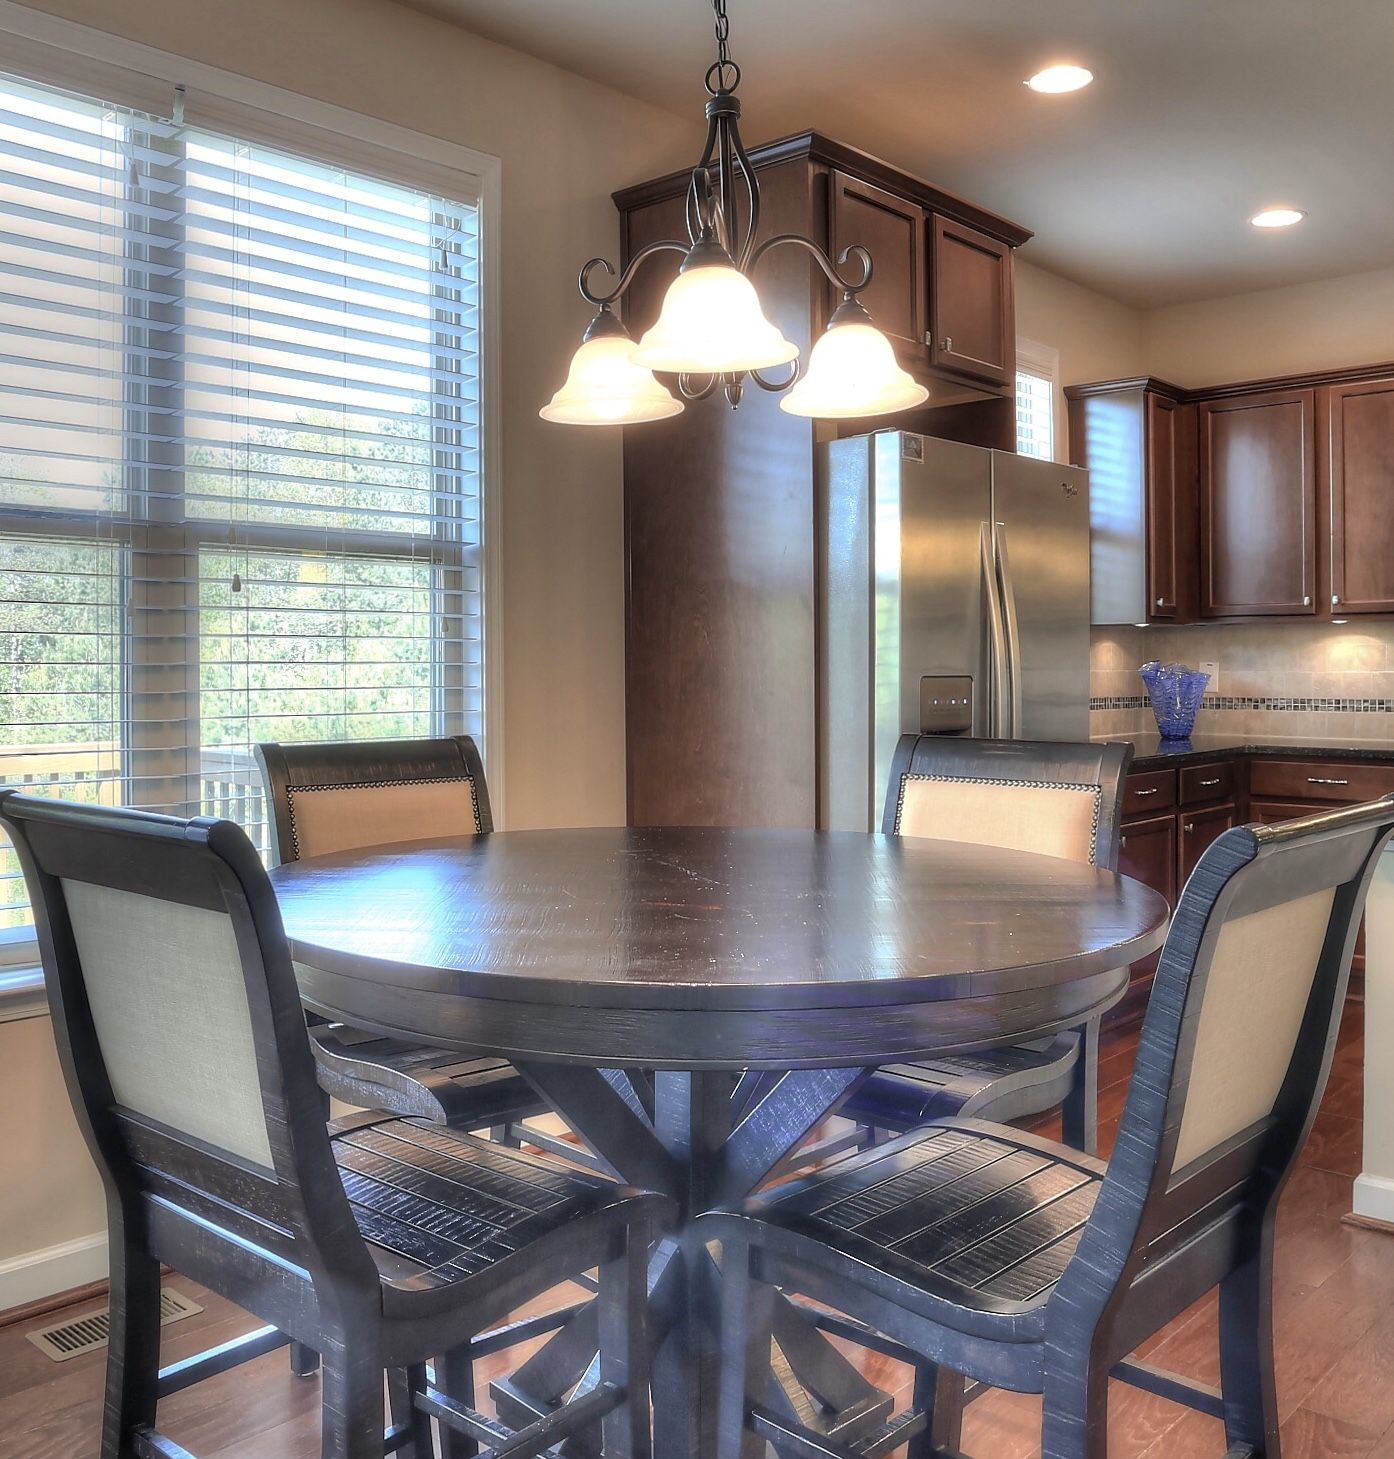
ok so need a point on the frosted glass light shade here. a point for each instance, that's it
(711, 322)
(604, 387)
(852, 371)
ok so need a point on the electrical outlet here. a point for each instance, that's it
(1213, 669)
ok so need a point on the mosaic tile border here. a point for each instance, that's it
(1295, 703)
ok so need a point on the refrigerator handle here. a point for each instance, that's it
(1013, 629)
(999, 679)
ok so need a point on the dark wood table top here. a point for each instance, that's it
(598, 943)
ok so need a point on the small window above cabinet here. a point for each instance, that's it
(1137, 439)
(971, 313)
(892, 229)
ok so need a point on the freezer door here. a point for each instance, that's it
(1041, 531)
(931, 501)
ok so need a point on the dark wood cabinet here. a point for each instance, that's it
(1137, 439)
(721, 654)
(1198, 828)
(1147, 852)
(892, 229)
(1258, 504)
(1359, 421)
(1170, 443)
(971, 313)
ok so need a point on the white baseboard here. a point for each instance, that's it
(35, 1274)
(1374, 1198)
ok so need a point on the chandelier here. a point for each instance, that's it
(711, 332)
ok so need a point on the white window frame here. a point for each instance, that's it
(61, 53)
(1043, 361)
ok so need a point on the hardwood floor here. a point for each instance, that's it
(1335, 1326)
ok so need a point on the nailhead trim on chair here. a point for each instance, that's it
(294, 790)
(1094, 790)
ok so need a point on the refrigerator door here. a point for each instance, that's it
(904, 630)
(1041, 543)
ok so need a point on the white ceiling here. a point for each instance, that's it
(1203, 111)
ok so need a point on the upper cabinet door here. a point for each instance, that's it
(1169, 433)
(1361, 461)
(892, 230)
(1258, 504)
(972, 328)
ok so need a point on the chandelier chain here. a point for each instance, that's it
(724, 74)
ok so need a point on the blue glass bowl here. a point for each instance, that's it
(1175, 692)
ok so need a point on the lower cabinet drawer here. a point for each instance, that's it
(1203, 783)
(1318, 780)
(1149, 791)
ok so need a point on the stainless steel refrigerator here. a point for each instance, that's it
(954, 599)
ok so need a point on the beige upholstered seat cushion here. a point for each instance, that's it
(1039, 816)
(165, 985)
(330, 818)
(1259, 986)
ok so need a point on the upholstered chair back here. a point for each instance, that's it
(338, 797)
(179, 1025)
(1053, 799)
(165, 988)
(1237, 1043)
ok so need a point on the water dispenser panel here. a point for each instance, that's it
(946, 704)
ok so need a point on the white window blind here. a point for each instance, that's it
(239, 460)
(1035, 415)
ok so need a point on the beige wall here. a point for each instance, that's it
(1317, 326)
(1097, 338)
(565, 143)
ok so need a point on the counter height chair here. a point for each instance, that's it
(971, 1247)
(379, 1242)
(1056, 799)
(324, 798)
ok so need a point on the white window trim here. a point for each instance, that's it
(1043, 360)
(62, 53)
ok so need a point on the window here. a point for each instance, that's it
(240, 490)
(1037, 368)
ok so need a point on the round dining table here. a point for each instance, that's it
(694, 1003)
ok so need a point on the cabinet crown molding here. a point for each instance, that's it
(818, 148)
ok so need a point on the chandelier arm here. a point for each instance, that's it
(689, 391)
(603, 301)
(852, 251)
(776, 387)
(752, 190)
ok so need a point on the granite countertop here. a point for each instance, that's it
(1152, 752)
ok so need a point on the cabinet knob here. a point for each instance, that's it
(947, 342)
(1122, 842)
(1190, 826)
(1160, 601)
(1306, 600)
(1335, 598)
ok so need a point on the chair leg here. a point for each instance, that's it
(304, 1361)
(939, 1393)
(1246, 1352)
(351, 1412)
(747, 1320)
(623, 1298)
(133, 1349)
(1080, 1111)
(422, 1446)
(455, 1378)
(1074, 1419)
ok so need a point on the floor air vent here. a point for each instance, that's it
(78, 1335)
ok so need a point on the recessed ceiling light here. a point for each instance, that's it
(1277, 217)
(1057, 79)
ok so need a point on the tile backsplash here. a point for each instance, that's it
(1305, 679)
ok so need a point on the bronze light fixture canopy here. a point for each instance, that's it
(711, 331)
